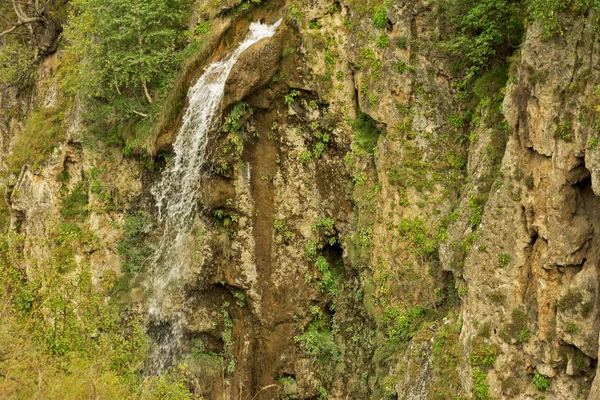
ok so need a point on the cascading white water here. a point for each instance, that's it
(176, 196)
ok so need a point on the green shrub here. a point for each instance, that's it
(42, 133)
(483, 356)
(503, 259)
(548, 13)
(563, 131)
(383, 41)
(305, 157)
(133, 247)
(366, 132)
(380, 17)
(540, 382)
(484, 29)
(74, 205)
(570, 301)
(17, 67)
(481, 389)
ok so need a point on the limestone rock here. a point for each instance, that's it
(254, 69)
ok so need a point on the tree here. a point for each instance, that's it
(124, 46)
(29, 30)
(34, 20)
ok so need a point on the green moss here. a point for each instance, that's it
(42, 133)
(570, 301)
(366, 132)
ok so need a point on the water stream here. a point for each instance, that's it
(176, 198)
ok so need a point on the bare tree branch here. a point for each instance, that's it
(146, 92)
(6, 32)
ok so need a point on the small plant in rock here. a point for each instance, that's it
(503, 259)
(380, 17)
(305, 157)
(383, 41)
(400, 67)
(291, 96)
(540, 382)
(481, 389)
(563, 131)
(240, 298)
(524, 335)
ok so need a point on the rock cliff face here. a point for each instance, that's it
(362, 232)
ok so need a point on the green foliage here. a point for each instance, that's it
(456, 120)
(121, 59)
(484, 28)
(400, 67)
(570, 301)
(400, 325)
(124, 44)
(240, 298)
(305, 156)
(563, 131)
(380, 17)
(548, 13)
(17, 65)
(323, 224)
(481, 389)
(231, 123)
(329, 282)
(289, 98)
(42, 133)
(317, 339)
(540, 382)
(503, 259)
(366, 132)
(74, 205)
(524, 334)
(383, 41)
(517, 328)
(483, 356)
(415, 231)
(61, 338)
(133, 247)
(203, 28)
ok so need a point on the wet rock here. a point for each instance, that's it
(254, 69)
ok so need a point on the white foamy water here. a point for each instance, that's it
(176, 197)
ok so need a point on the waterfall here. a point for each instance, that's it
(176, 197)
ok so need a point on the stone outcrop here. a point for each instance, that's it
(255, 68)
(424, 259)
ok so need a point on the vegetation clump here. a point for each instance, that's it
(366, 132)
(43, 132)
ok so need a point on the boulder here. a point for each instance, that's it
(254, 69)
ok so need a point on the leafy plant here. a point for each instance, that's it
(133, 247)
(289, 98)
(484, 29)
(481, 389)
(383, 41)
(366, 132)
(380, 17)
(540, 382)
(305, 157)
